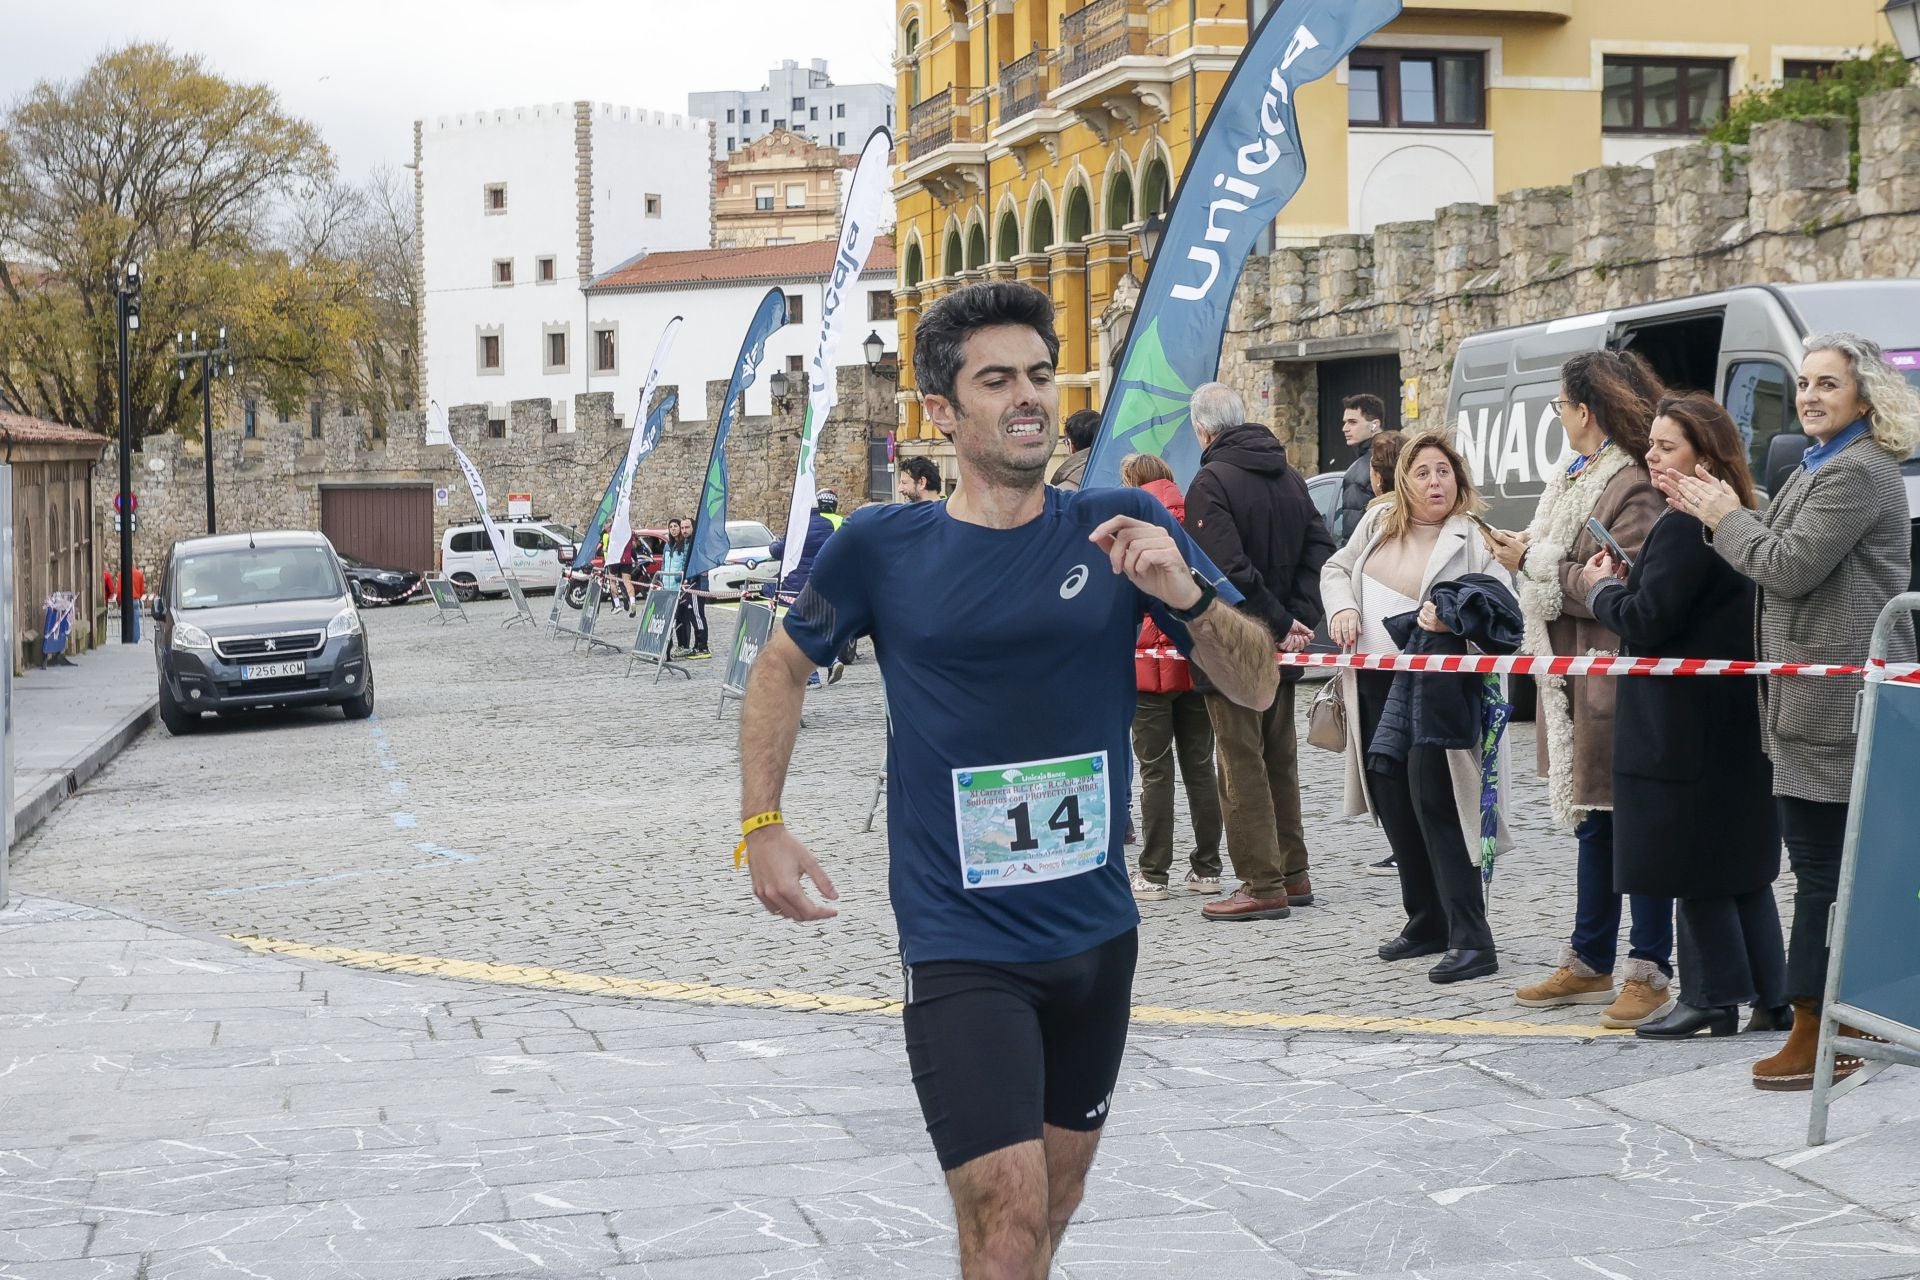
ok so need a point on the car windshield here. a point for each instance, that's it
(742, 534)
(255, 575)
(562, 533)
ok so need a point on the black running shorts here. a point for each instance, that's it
(1001, 1050)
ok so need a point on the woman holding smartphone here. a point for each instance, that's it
(1605, 405)
(1693, 789)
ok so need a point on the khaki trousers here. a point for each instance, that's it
(1260, 791)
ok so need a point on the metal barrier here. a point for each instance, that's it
(446, 601)
(653, 642)
(1873, 973)
(522, 611)
(750, 636)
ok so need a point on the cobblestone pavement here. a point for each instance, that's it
(516, 802)
(174, 1107)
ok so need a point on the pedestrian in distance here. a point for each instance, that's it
(1605, 405)
(690, 614)
(1362, 418)
(1383, 458)
(920, 479)
(1008, 879)
(1170, 722)
(1693, 809)
(1248, 509)
(1832, 548)
(1418, 537)
(1080, 430)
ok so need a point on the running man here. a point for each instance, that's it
(1009, 781)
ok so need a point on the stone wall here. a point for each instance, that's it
(1702, 218)
(274, 481)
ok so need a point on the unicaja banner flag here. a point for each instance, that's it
(867, 198)
(709, 544)
(1246, 166)
(440, 432)
(602, 514)
(639, 446)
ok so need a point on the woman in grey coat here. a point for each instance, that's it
(1829, 552)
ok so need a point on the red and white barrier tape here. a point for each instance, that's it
(1597, 665)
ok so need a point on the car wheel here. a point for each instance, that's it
(361, 707)
(466, 590)
(353, 589)
(179, 721)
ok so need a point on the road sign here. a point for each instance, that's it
(519, 505)
(126, 502)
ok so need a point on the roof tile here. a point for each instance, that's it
(716, 266)
(39, 431)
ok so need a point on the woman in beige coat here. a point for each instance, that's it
(1606, 406)
(1406, 543)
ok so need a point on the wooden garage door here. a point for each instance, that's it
(391, 526)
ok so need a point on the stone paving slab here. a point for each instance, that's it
(721, 1144)
(68, 722)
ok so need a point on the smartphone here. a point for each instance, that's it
(1477, 520)
(1605, 539)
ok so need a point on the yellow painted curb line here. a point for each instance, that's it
(545, 979)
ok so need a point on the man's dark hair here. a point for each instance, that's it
(1081, 427)
(1371, 407)
(939, 340)
(922, 468)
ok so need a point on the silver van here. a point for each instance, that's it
(1740, 345)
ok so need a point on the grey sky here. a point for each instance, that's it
(364, 70)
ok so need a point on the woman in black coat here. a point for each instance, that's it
(1693, 811)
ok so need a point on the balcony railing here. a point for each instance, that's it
(1023, 84)
(930, 124)
(1099, 33)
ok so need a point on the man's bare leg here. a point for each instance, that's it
(1000, 1204)
(1069, 1157)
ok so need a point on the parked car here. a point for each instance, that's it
(248, 620)
(749, 559)
(538, 551)
(370, 584)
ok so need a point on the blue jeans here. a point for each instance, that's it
(1596, 911)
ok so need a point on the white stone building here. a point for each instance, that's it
(802, 99)
(715, 292)
(518, 208)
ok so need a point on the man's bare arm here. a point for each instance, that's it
(1237, 653)
(769, 724)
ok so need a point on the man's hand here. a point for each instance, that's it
(1299, 636)
(1150, 558)
(779, 861)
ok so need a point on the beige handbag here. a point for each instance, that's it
(1327, 717)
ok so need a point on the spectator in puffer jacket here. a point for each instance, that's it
(1170, 722)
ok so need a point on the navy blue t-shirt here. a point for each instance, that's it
(1000, 647)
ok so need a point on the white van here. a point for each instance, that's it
(540, 552)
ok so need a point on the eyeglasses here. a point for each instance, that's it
(1559, 406)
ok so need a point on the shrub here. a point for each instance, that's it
(1834, 92)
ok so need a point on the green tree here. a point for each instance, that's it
(151, 157)
(1836, 91)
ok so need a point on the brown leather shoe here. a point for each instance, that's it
(1241, 905)
(1791, 1069)
(1299, 891)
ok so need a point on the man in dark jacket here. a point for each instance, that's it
(1080, 428)
(1249, 511)
(1362, 417)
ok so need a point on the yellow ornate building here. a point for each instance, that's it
(1040, 134)
(781, 188)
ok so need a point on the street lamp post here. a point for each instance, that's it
(211, 359)
(1904, 17)
(126, 296)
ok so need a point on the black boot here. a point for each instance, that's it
(1460, 964)
(1775, 1019)
(1685, 1020)
(1405, 948)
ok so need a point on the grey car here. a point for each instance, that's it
(248, 620)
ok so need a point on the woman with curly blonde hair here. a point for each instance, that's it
(1828, 553)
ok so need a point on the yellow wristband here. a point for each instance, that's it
(771, 818)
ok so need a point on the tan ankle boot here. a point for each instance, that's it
(1791, 1069)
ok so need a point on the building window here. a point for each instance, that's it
(1662, 95)
(796, 364)
(796, 195)
(779, 124)
(250, 420)
(314, 412)
(496, 430)
(840, 140)
(799, 104)
(731, 143)
(796, 308)
(1806, 68)
(763, 115)
(503, 271)
(543, 270)
(813, 113)
(555, 350)
(729, 115)
(604, 352)
(282, 415)
(839, 111)
(880, 305)
(1416, 89)
(490, 353)
(494, 197)
(653, 205)
(763, 198)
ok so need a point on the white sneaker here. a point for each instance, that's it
(1146, 890)
(1202, 884)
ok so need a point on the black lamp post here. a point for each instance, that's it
(1904, 17)
(126, 297)
(211, 359)
(777, 384)
(874, 348)
(1150, 234)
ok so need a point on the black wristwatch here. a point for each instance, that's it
(1207, 596)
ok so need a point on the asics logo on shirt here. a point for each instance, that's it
(1075, 580)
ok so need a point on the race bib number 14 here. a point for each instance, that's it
(1025, 823)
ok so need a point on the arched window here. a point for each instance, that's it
(1009, 237)
(1155, 190)
(1079, 216)
(910, 48)
(977, 246)
(952, 263)
(1040, 228)
(914, 272)
(1119, 200)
